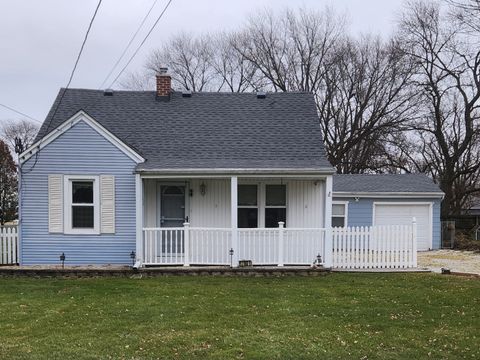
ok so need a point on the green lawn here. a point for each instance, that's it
(359, 316)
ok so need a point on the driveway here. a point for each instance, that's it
(455, 260)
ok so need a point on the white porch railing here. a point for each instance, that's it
(389, 246)
(381, 247)
(8, 245)
(211, 246)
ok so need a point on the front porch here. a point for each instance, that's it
(269, 220)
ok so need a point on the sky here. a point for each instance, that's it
(39, 40)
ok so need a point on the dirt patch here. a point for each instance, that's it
(455, 260)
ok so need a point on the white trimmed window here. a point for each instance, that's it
(275, 205)
(82, 204)
(261, 205)
(339, 213)
(248, 206)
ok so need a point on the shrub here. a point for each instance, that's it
(465, 241)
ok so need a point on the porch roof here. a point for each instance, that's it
(207, 130)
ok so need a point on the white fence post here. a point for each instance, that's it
(186, 244)
(414, 242)
(234, 219)
(281, 224)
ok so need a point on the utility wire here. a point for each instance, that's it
(66, 88)
(128, 45)
(75, 66)
(20, 113)
(141, 44)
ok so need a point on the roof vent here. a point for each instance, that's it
(261, 95)
(186, 93)
(108, 92)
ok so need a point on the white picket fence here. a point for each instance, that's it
(8, 245)
(375, 247)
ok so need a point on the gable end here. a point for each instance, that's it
(65, 126)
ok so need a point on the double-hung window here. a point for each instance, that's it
(275, 205)
(339, 214)
(261, 205)
(82, 204)
(247, 206)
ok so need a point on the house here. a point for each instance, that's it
(118, 173)
(180, 178)
(389, 199)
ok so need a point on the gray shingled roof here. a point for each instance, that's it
(384, 183)
(206, 130)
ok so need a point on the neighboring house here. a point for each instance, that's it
(167, 177)
(366, 200)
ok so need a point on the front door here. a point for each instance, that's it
(172, 205)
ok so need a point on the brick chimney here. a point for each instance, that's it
(164, 84)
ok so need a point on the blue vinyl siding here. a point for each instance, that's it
(81, 151)
(360, 213)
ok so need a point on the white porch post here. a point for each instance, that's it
(414, 242)
(234, 218)
(328, 222)
(139, 220)
(186, 246)
(281, 225)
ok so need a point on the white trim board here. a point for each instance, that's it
(209, 175)
(340, 194)
(405, 203)
(66, 125)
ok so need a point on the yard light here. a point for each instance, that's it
(318, 261)
(62, 259)
(231, 256)
(132, 256)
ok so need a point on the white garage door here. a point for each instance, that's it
(402, 214)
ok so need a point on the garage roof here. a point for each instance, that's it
(385, 184)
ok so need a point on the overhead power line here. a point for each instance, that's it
(75, 66)
(128, 45)
(141, 44)
(20, 113)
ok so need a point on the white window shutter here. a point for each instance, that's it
(55, 203)
(107, 204)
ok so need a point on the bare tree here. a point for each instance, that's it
(466, 13)
(447, 80)
(189, 61)
(290, 49)
(24, 130)
(363, 104)
(138, 81)
(232, 71)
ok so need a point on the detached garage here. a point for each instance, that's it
(365, 200)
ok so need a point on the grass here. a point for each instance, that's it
(359, 316)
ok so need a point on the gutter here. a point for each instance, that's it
(239, 171)
(391, 194)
